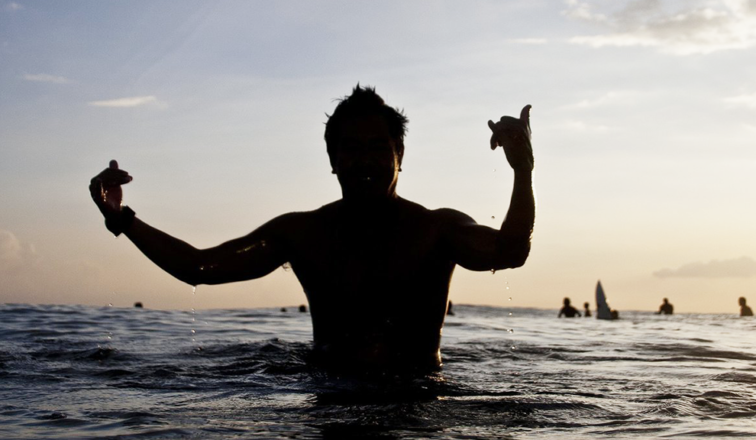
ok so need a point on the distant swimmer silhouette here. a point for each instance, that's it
(365, 250)
(666, 308)
(744, 309)
(587, 310)
(568, 311)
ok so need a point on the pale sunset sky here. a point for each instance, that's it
(644, 131)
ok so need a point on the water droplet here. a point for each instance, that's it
(493, 271)
(510, 298)
(493, 217)
(510, 313)
(511, 330)
(514, 348)
(286, 266)
(194, 290)
(110, 304)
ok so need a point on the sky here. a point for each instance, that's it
(644, 132)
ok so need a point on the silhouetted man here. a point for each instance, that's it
(666, 308)
(357, 254)
(568, 311)
(587, 311)
(744, 309)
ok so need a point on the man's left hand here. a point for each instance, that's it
(513, 135)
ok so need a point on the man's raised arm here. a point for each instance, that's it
(478, 247)
(252, 256)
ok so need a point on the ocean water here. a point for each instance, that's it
(85, 372)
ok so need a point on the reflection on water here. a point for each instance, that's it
(81, 372)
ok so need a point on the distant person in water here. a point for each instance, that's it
(365, 250)
(744, 309)
(587, 310)
(302, 308)
(568, 311)
(449, 310)
(666, 308)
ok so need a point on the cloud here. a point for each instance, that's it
(13, 6)
(43, 77)
(702, 27)
(135, 101)
(14, 255)
(528, 40)
(742, 267)
(742, 100)
(582, 127)
(606, 98)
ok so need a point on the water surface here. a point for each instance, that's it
(84, 372)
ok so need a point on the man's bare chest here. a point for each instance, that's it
(365, 256)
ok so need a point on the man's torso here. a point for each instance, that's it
(377, 284)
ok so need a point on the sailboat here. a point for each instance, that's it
(602, 308)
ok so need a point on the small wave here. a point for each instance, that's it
(736, 377)
(705, 433)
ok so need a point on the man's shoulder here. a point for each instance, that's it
(438, 216)
(296, 220)
(451, 216)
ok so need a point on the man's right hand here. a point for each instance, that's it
(105, 189)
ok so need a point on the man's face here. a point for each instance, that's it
(366, 161)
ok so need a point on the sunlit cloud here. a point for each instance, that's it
(739, 267)
(43, 77)
(134, 101)
(582, 11)
(15, 255)
(534, 41)
(13, 6)
(742, 101)
(606, 98)
(582, 126)
(701, 27)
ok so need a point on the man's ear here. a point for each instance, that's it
(400, 153)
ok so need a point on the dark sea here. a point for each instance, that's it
(80, 372)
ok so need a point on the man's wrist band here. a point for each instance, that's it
(118, 224)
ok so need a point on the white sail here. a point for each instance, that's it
(602, 308)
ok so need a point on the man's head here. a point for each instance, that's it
(365, 142)
(566, 301)
(742, 301)
(666, 301)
